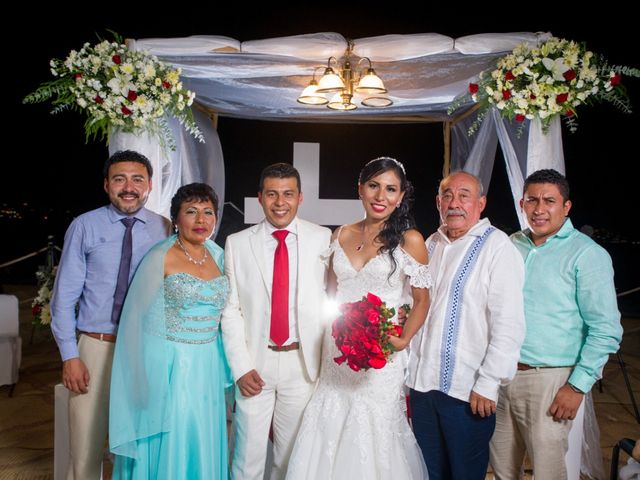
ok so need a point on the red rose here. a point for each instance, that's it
(562, 97)
(509, 76)
(570, 113)
(520, 118)
(36, 310)
(98, 99)
(399, 329)
(116, 59)
(166, 85)
(353, 365)
(373, 299)
(532, 96)
(77, 75)
(373, 316)
(377, 362)
(506, 94)
(569, 75)
(616, 79)
(125, 110)
(473, 88)
(132, 95)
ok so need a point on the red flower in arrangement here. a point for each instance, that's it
(362, 333)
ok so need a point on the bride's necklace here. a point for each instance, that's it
(191, 259)
(364, 239)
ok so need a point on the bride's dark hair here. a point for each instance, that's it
(401, 219)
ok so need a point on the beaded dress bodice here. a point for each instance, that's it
(193, 307)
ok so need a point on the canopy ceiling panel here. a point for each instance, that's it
(262, 79)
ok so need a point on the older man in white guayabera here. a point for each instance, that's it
(470, 342)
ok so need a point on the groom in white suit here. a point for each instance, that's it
(272, 325)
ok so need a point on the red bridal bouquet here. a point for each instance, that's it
(362, 332)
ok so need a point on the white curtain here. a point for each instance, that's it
(525, 148)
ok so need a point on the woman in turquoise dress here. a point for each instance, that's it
(168, 412)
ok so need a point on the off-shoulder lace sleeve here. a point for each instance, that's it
(326, 255)
(418, 273)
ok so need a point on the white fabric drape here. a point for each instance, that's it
(545, 149)
(525, 148)
(190, 162)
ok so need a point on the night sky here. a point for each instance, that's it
(59, 176)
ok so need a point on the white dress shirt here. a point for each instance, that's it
(472, 336)
(270, 245)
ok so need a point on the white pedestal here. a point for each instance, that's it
(61, 433)
(574, 453)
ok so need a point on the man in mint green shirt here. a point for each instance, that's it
(572, 325)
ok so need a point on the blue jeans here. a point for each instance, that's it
(454, 441)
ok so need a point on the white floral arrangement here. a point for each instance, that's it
(550, 79)
(119, 89)
(40, 306)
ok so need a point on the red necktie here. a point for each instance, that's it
(280, 290)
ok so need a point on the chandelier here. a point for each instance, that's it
(345, 83)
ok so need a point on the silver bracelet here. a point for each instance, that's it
(575, 389)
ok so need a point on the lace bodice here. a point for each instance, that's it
(193, 307)
(374, 276)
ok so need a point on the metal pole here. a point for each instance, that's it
(50, 253)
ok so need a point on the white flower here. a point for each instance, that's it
(45, 315)
(557, 67)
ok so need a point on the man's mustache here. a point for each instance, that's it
(122, 194)
(456, 211)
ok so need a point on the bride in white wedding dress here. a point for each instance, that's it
(355, 425)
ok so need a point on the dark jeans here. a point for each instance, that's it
(454, 442)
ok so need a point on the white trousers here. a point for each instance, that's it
(282, 402)
(523, 425)
(89, 412)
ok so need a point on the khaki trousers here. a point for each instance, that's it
(523, 425)
(89, 412)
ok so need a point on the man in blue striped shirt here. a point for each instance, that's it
(87, 277)
(573, 324)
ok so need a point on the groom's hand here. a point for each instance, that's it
(250, 384)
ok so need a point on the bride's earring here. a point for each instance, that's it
(175, 228)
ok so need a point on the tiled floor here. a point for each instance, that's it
(26, 420)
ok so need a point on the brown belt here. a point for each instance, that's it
(105, 337)
(524, 366)
(285, 348)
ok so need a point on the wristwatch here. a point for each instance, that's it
(575, 389)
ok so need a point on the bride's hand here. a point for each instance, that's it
(398, 343)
